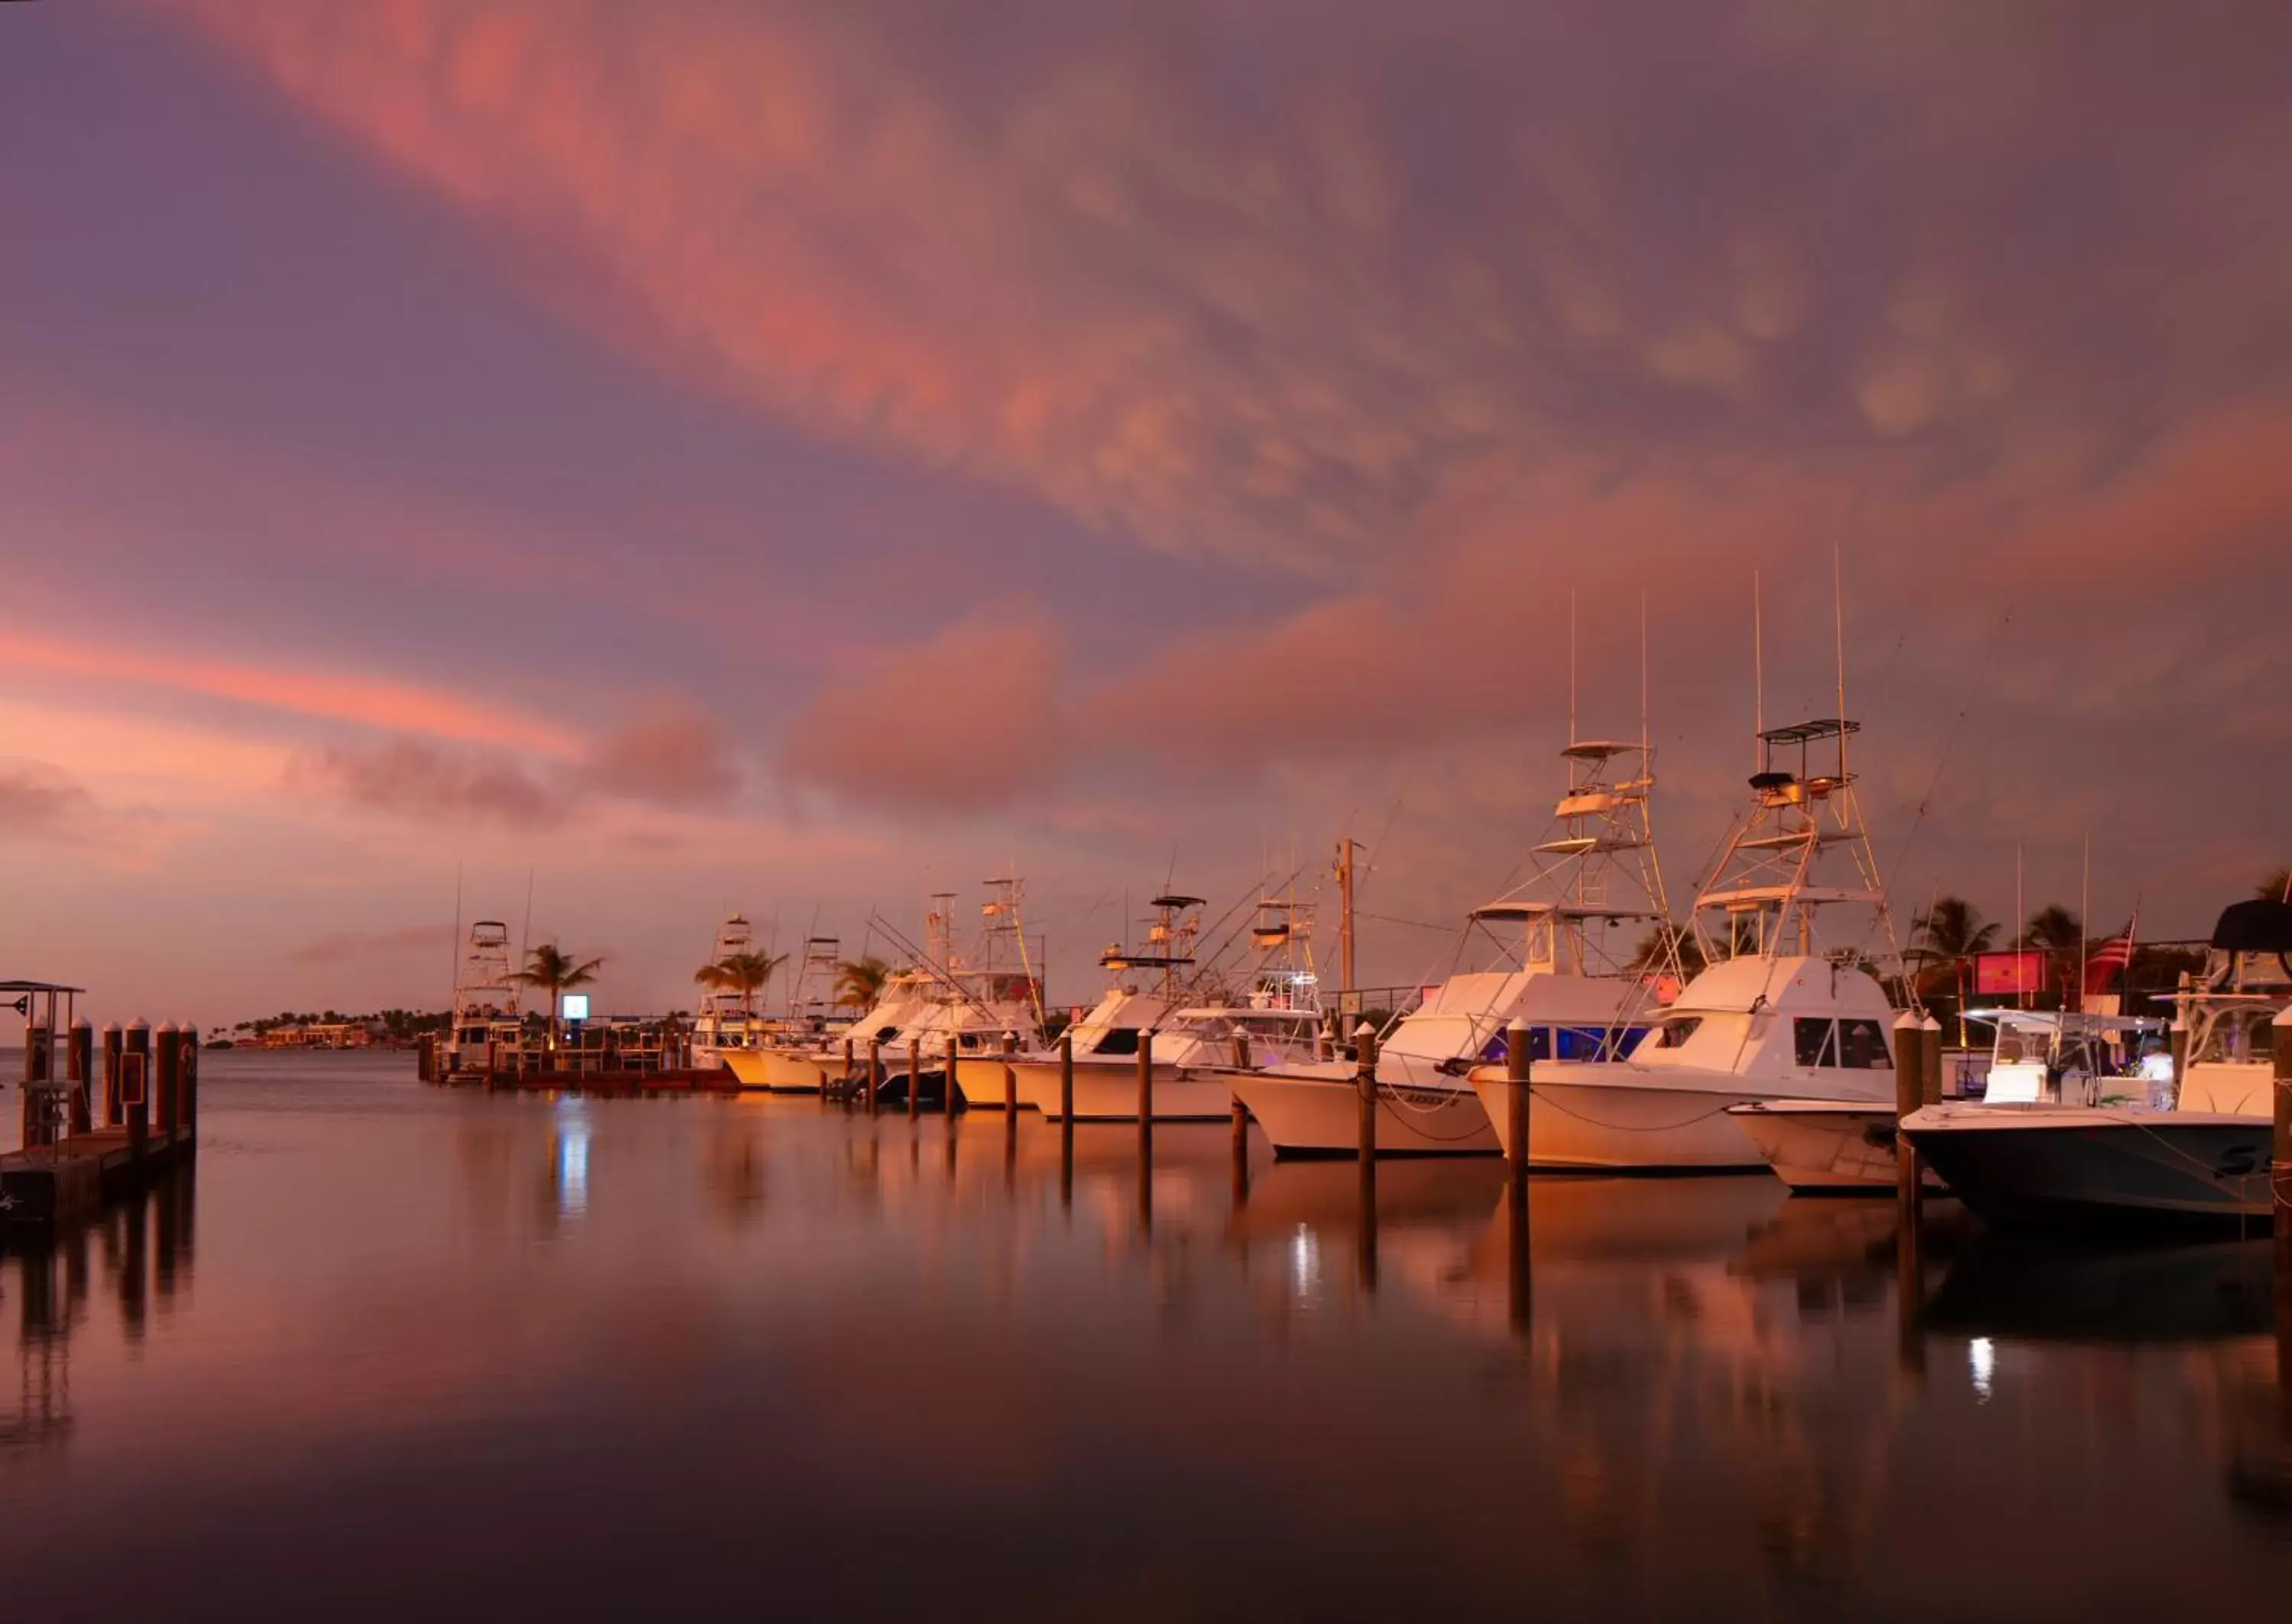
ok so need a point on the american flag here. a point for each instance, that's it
(2104, 961)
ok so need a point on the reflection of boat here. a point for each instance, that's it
(1554, 973)
(2040, 1288)
(1771, 1018)
(2206, 1159)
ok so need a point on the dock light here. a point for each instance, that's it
(573, 1006)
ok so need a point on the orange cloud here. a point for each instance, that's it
(319, 695)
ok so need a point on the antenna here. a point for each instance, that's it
(1758, 680)
(1645, 770)
(1571, 667)
(2085, 915)
(454, 984)
(525, 941)
(1839, 625)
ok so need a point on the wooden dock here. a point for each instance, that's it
(53, 1186)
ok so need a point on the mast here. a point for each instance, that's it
(1346, 987)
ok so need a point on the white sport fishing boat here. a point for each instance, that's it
(489, 1029)
(1774, 1017)
(1194, 1044)
(1829, 1148)
(988, 1000)
(791, 1056)
(2203, 1158)
(726, 1021)
(1551, 967)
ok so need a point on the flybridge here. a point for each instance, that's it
(1765, 883)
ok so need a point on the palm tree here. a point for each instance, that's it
(553, 971)
(2275, 885)
(1948, 934)
(2060, 934)
(745, 973)
(860, 982)
(1656, 948)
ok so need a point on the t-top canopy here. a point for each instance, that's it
(1808, 732)
(2262, 926)
(1176, 901)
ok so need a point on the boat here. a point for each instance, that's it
(1548, 965)
(1194, 1044)
(987, 1000)
(488, 1032)
(726, 1021)
(1776, 1014)
(2202, 1158)
(1820, 1146)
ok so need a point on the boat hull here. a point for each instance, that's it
(783, 1071)
(1638, 1127)
(1818, 1148)
(979, 1080)
(1312, 1117)
(2067, 1166)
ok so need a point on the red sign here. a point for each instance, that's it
(2010, 972)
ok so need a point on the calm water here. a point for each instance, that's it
(402, 1348)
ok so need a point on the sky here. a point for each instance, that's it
(670, 457)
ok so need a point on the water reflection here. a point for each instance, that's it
(758, 1347)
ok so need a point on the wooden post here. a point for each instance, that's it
(136, 1092)
(1240, 1049)
(1364, 1089)
(1910, 1275)
(1010, 1077)
(1240, 1154)
(1516, 1098)
(1365, 1080)
(914, 1076)
(954, 1055)
(1930, 1061)
(875, 1069)
(2280, 1185)
(170, 1077)
(187, 1098)
(1145, 1079)
(1066, 1120)
(113, 1040)
(38, 1127)
(79, 1067)
(2179, 1038)
(848, 1073)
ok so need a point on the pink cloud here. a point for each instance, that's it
(970, 719)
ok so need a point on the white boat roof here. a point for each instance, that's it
(2066, 1020)
(1783, 986)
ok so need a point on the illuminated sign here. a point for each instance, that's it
(573, 1006)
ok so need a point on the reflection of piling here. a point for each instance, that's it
(875, 1070)
(914, 1077)
(1516, 1076)
(79, 1071)
(134, 1268)
(1520, 1280)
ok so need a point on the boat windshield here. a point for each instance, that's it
(2232, 1037)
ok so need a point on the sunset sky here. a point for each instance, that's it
(799, 457)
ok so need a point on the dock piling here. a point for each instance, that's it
(1365, 1087)
(79, 1071)
(1241, 1154)
(914, 1077)
(1010, 1077)
(875, 1070)
(848, 1070)
(1066, 1120)
(168, 1087)
(113, 1040)
(1145, 1088)
(2279, 1187)
(1516, 1099)
(1930, 1061)
(954, 1059)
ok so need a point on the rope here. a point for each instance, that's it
(1701, 1116)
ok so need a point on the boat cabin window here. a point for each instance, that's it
(2022, 1048)
(885, 1032)
(1814, 1043)
(1673, 1032)
(1117, 1040)
(1862, 1045)
(2236, 1035)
